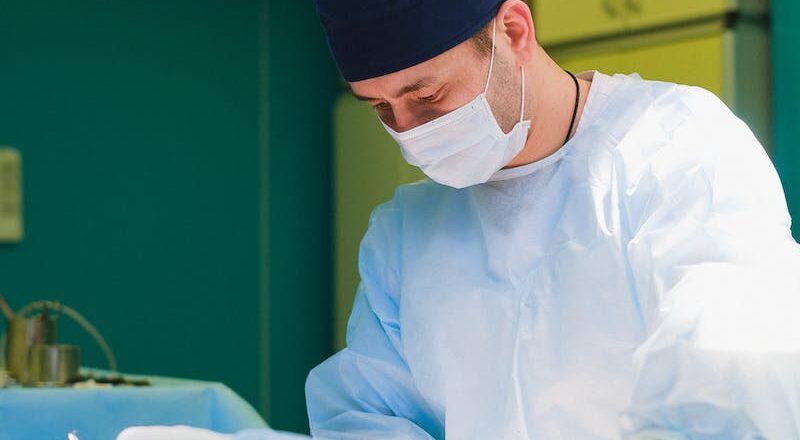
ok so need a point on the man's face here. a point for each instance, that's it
(421, 93)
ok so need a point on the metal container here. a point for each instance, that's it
(23, 333)
(52, 365)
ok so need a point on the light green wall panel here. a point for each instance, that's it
(733, 63)
(721, 45)
(559, 22)
(696, 61)
(368, 166)
(651, 13)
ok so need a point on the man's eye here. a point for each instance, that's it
(429, 98)
(381, 106)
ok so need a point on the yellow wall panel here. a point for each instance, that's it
(368, 167)
(648, 13)
(698, 61)
(558, 20)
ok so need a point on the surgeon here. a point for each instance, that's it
(591, 257)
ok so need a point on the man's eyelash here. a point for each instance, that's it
(429, 98)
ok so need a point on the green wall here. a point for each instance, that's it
(176, 182)
(138, 128)
(302, 85)
(786, 98)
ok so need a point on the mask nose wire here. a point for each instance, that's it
(491, 66)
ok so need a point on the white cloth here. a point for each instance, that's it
(642, 278)
(170, 433)
(190, 433)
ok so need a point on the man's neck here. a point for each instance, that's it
(553, 99)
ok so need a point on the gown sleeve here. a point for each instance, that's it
(366, 391)
(716, 272)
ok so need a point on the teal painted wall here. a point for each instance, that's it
(786, 98)
(138, 127)
(177, 184)
(302, 86)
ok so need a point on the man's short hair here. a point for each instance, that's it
(482, 41)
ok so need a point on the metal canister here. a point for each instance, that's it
(23, 333)
(52, 365)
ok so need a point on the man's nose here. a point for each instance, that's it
(403, 120)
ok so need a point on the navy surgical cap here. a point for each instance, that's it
(370, 38)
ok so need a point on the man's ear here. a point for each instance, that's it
(515, 22)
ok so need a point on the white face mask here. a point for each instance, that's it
(466, 146)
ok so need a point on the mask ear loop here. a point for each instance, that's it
(491, 59)
(491, 67)
(522, 99)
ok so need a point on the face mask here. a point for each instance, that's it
(466, 146)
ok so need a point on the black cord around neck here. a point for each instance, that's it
(574, 109)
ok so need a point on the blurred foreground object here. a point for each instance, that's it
(170, 433)
(102, 413)
(189, 433)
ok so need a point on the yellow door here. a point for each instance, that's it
(557, 21)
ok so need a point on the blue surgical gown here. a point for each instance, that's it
(643, 278)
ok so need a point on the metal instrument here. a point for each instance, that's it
(23, 333)
(33, 356)
(50, 365)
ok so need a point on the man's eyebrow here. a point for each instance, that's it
(413, 87)
(361, 98)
